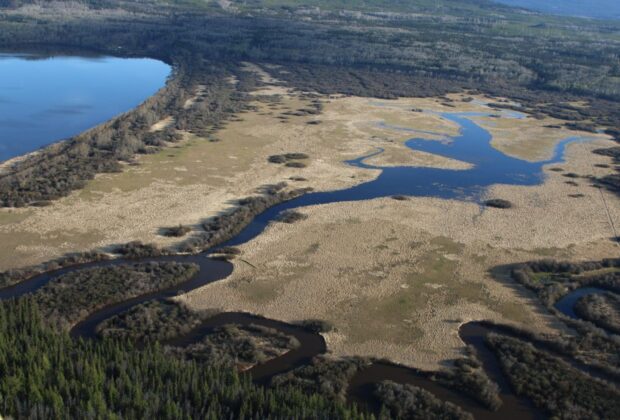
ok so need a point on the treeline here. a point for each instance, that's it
(71, 297)
(46, 374)
(465, 50)
(58, 169)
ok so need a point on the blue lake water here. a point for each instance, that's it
(43, 100)
(471, 145)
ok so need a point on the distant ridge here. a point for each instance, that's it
(599, 9)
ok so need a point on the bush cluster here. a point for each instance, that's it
(498, 203)
(289, 159)
(291, 216)
(71, 297)
(553, 385)
(468, 377)
(219, 229)
(410, 402)
(328, 376)
(601, 309)
(240, 346)
(152, 321)
(177, 231)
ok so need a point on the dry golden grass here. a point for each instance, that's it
(529, 139)
(397, 278)
(196, 179)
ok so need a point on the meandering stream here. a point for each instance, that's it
(472, 145)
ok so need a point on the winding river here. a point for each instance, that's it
(472, 145)
(567, 303)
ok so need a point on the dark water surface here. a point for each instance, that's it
(43, 100)
(490, 167)
(566, 305)
(471, 145)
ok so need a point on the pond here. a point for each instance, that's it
(47, 99)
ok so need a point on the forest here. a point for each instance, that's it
(383, 49)
(46, 374)
(405, 49)
(552, 384)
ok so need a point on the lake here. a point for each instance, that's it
(43, 100)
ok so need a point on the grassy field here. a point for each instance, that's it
(395, 278)
(198, 178)
(398, 278)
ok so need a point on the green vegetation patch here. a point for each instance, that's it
(46, 374)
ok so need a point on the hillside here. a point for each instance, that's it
(601, 9)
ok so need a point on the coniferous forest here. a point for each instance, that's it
(560, 67)
(47, 374)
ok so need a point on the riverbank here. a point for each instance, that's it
(391, 275)
(198, 177)
(397, 278)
